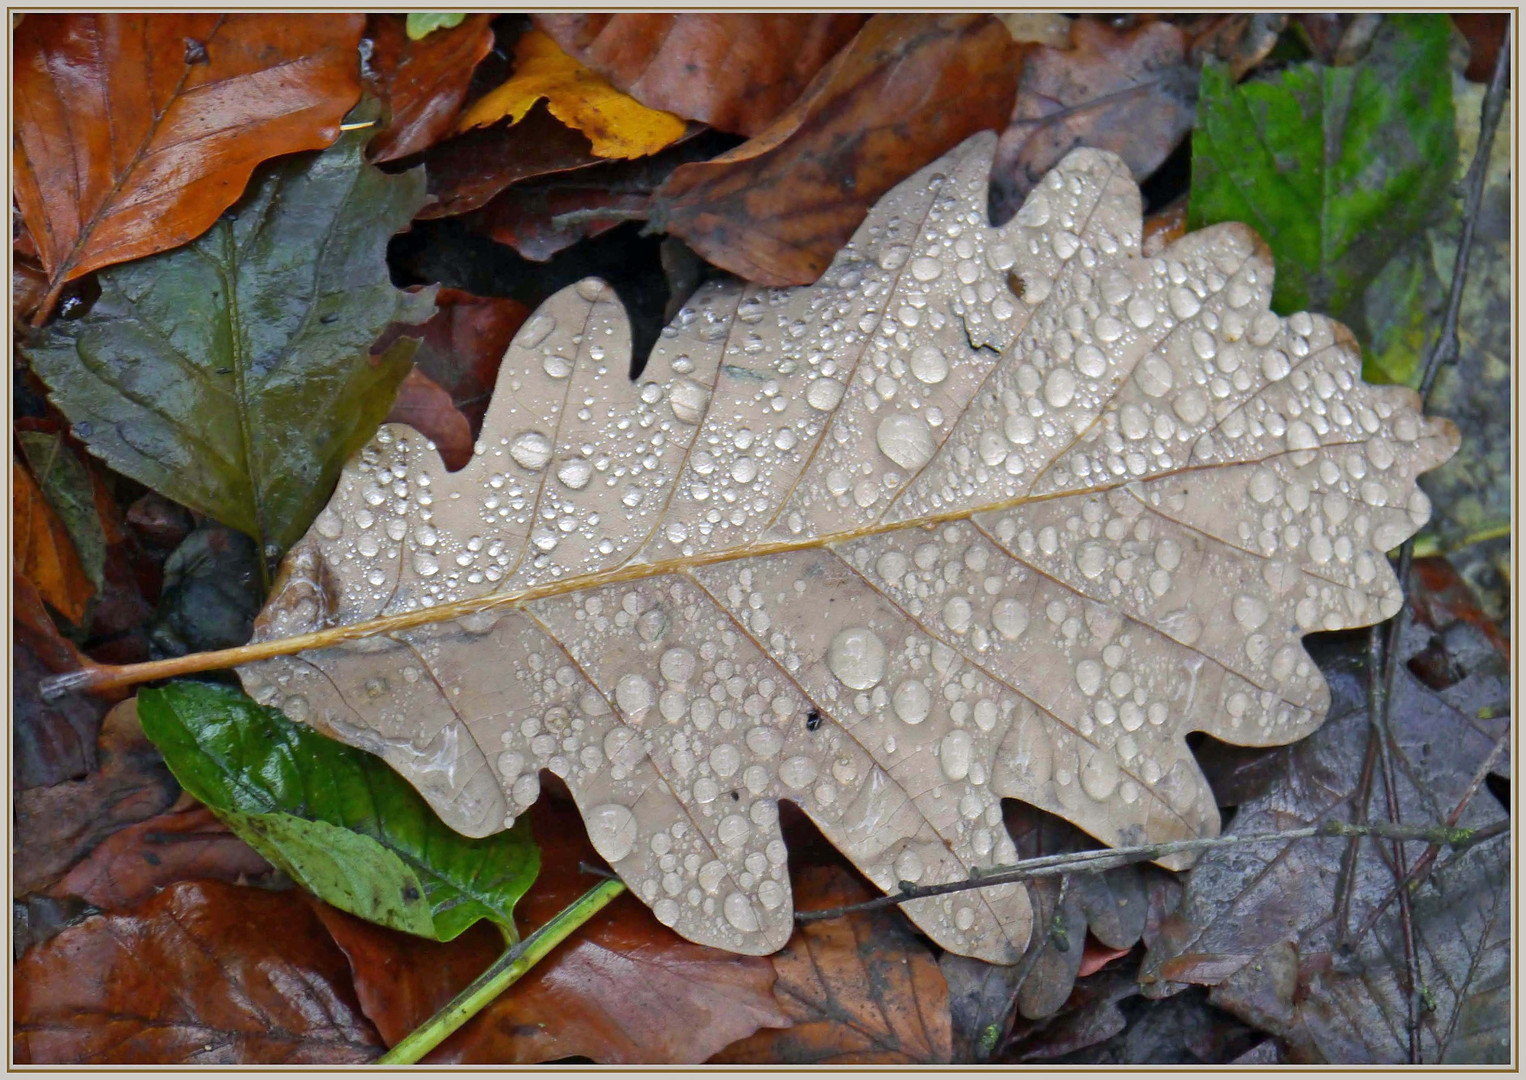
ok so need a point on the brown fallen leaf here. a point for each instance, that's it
(425, 406)
(134, 863)
(736, 72)
(205, 973)
(624, 989)
(1241, 41)
(860, 990)
(1485, 32)
(55, 826)
(43, 552)
(617, 125)
(905, 89)
(1038, 27)
(423, 82)
(135, 131)
(1128, 91)
(51, 741)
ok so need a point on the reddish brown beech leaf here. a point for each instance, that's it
(1128, 91)
(135, 131)
(131, 865)
(55, 826)
(906, 89)
(424, 405)
(624, 989)
(423, 82)
(527, 220)
(735, 72)
(205, 973)
(465, 172)
(44, 554)
(860, 990)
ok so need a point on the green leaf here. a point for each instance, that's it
(423, 23)
(233, 374)
(338, 820)
(1335, 167)
(66, 484)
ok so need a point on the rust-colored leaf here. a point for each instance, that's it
(1128, 91)
(205, 974)
(617, 125)
(51, 741)
(624, 989)
(55, 826)
(135, 131)
(736, 72)
(423, 82)
(905, 89)
(43, 552)
(424, 405)
(861, 990)
(135, 863)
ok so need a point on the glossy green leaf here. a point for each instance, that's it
(233, 374)
(339, 820)
(423, 23)
(1336, 167)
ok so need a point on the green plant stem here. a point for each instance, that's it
(504, 972)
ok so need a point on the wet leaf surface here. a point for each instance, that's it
(798, 645)
(135, 131)
(1335, 166)
(211, 593)
(43, 552)
(617, 125)
(736, 72)
(1130, 91)
(333, 817)
(859, 990)
(206, 393)
(426, 406)
(1261, 925)
(51, 741)
(423, 81)
(66, 484)
(203, 974)
(906, 88)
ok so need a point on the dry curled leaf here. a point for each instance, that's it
(617, 125)
(892, 547)
(135, 131)
(733, 71)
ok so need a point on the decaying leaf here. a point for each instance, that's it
(892, 547)
(43, 551)
(1260, 924)
(616, 124)
(423, 80)
(1130, 91)
(862, 990)
(135, 131)
(733, 71)
(204, 973)
(199, 371)
(906, 89)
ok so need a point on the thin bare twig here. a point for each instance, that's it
(1096, 861)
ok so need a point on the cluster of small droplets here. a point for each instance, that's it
(1213, 482)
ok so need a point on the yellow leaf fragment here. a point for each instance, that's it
(616, 124)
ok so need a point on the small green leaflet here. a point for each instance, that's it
(1335, 167)
(423, 23)
(338, 820)
(201, 371)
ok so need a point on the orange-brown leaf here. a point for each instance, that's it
(424, 82)
(424, 405)
(616, 124)
(735, 71)
(906, 89)
(205, 973)
(44, 554)
(135, 131)
(861, 989)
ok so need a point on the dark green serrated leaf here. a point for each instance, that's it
(66, 484)
(233, 374)
(423, 23)
(1336, 167)
(339, 820)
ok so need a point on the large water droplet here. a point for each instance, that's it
(824, 394)
(634, 695)
(905, 439)
(797, 772)
(912, 701)
(575, 473)
(857, 657)
(739, 912)
(1010, 618)
(954, 754)
(611, 831)
(530, 449)
(677, 665)
(929, 365)
(688, 401)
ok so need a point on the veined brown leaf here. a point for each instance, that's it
(892, 547)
